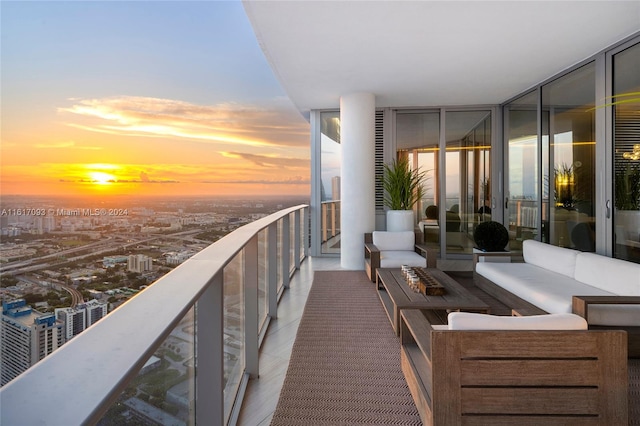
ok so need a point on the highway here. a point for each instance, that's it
(110, 244)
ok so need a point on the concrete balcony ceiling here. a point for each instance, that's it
(438, 53)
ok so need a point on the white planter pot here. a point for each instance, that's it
(400, 220)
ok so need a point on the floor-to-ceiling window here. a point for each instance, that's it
(330, 161)
(568, 137)
(522, 170)
(418, 138)
(626, 157)
(551, 184)
(468, 171)
(458, 186)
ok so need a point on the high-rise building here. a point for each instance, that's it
(95, 311)
(78, 318)
(27, 337)
(139, 263)
(74, 321)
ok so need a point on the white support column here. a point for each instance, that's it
(357, 175)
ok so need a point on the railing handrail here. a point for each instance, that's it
(98, 364)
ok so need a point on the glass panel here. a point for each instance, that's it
(418, 137)
(263, 277)
(330, 161)
(279, 275)
(234, 330)
(568, 103)
(468, 141)
(164, 390)
(523, 183)
(626, 112)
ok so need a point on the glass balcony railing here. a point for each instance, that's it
(182, 350)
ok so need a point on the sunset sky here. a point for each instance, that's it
(143, 97)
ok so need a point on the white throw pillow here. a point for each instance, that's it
(473, 321)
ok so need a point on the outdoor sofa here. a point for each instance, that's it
(604, 290)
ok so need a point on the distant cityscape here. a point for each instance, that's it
(65, 263)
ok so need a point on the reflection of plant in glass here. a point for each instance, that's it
(627, 188)
(565, 186)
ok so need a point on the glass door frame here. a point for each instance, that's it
(496, 159)
(604, 93)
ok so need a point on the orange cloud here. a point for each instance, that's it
(279, 125)
(64, 145)
(270, 161)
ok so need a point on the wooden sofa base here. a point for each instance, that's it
(514, 377)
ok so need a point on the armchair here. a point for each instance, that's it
(384, 249)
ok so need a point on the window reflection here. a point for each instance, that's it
(569, 115)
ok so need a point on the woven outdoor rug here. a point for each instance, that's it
(345, 364)
(634, 392)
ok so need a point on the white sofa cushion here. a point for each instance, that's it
(397, 258)
(402, 240)
(614, 275)
(553, 258)
(473, 321)
(546, 289)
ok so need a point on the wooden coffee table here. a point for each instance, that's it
(395, 294)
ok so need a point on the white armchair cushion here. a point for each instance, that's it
(386, 240)
(473, 321)
(553, 258)
(397, 258)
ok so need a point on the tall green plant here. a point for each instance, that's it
(403, 185)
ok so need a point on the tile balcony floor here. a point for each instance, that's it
(262, 394)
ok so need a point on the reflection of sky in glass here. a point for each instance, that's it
(331, 158)
(522, 165)
(563, 149)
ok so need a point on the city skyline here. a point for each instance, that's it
(144, 98)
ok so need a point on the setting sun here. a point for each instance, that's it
(102, 178)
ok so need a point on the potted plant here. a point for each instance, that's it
(403, 187)
(491, 236)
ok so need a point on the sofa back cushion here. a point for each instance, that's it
(553, 258)
(606, 273)
(473, 321)
(402, 240)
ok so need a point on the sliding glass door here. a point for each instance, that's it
(457, 163)
(626, 155)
